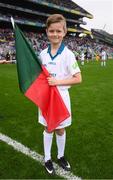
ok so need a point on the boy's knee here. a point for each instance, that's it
(46, 130)
(60, 132)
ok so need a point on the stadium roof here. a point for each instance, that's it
(75, 10)
(34, 13)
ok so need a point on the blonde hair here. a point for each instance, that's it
(56, 18)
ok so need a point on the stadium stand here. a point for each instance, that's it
(31, 16)
(35, 12)
(103, 36)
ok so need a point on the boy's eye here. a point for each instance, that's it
(52, 31)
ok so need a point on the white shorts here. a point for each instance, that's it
(66, 98)
(103, 58)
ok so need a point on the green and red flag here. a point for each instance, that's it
(32, 76)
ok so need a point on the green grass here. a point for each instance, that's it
(89, 145)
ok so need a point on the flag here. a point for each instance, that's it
(32, 76)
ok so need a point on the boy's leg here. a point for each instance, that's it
(101, 63)
(61, 141)
(47, 139)
(104, 63)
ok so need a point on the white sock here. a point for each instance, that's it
(101, 63)
(82, 63)
(104, 63)
(61, 141)
(47, 140)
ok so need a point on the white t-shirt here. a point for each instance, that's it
(104, 55)
(62, 66)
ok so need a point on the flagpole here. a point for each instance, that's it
(12, 21)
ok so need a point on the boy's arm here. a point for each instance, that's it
(76, 79)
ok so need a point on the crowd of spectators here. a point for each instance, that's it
(39, 42)
(89, 46)
(7, 46)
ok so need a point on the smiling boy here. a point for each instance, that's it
(64, 72)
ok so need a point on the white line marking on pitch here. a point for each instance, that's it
(34, 155)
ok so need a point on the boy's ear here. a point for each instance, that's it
(46, 31)
(65, 32)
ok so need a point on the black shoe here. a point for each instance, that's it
(49, 167)
(64, 164)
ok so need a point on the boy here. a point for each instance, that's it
(82, 58)
(103, 57)
(64, 71)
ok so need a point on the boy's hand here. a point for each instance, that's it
(52, 81)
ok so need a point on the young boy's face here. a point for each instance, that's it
(56, 33)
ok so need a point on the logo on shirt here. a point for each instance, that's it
(53, 74)
(52, 63)
(75, 65)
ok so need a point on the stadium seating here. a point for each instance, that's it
(31, 19)
(39, 41)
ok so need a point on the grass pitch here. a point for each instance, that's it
(89, 146)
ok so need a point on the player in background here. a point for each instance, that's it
(82, 57)
(103, 57)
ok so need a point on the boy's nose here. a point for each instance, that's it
(55, 33)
